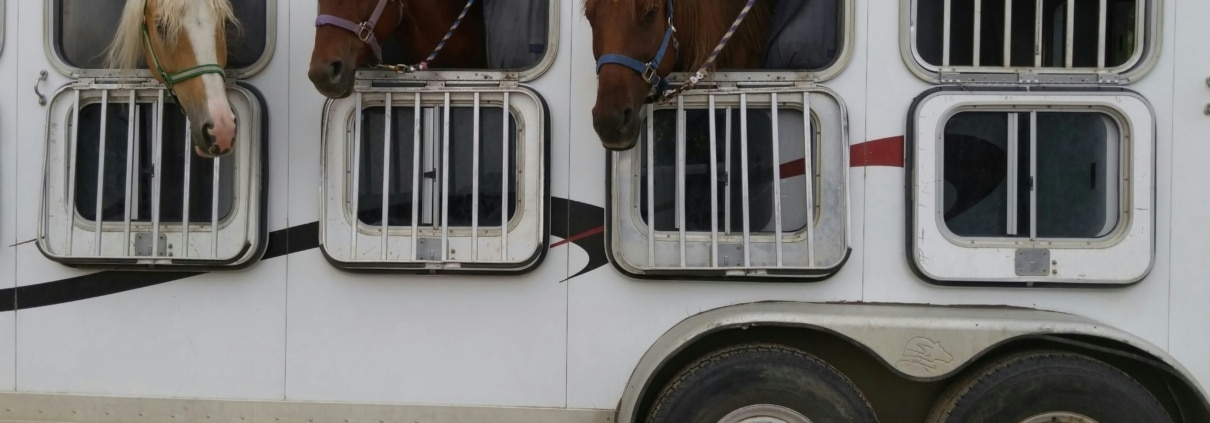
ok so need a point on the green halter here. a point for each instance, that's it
(175, 78)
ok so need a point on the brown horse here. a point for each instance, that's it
(349, 33)
(184, 44)
(636, 29)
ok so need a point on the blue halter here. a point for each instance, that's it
(648, 70)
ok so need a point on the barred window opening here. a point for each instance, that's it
(113, 194)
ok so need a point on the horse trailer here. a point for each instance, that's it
(985, 211)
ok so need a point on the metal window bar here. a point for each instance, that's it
(777, 234)
(1033, 175)
(356, 188)
(386, 178)
(157, 170)
(185, 195)
(97, 216)
(1101, 21)
(945, 35)
(214, 191)
(475, 183)
(1037, 33)
(1071, 33)
(131, 140)
(504, 203)
(1008, 33)
(713, 186)
(727, 166)
(445, 180)
(808, 173)
(680, 173)
(978, 25)
(743, 151)
(1013, 151)
(416, 174)
(651, 186)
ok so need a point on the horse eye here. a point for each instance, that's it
(649, 16)
(161, 28)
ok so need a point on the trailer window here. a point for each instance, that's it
(82, 29)
(1031, 187)
(1061, 183)
(1049, 36)
(126, 189)
(759, 195)
(449, 185)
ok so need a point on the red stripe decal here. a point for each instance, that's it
(579, 236)
(880, 152)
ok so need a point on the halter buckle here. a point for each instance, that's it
(366, 32)
(649, 74)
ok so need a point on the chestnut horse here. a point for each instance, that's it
(349, 34)
(184, 45)
(634, 36)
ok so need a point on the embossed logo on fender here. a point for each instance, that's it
(924, 355)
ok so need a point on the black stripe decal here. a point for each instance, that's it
(567, 217)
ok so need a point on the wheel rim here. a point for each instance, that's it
(764, 413)
(1059, 417)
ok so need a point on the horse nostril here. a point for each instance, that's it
(335, 69)
(627, 116)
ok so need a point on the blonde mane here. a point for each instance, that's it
(128, 46)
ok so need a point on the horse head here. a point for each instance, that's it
(184, 44)
(634, 44)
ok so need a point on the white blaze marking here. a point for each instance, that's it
(200, 30)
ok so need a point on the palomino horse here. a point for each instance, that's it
(636, 37)
(348, 35)
(184, 43)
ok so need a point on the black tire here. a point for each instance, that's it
(1023, 385)
(735, 377)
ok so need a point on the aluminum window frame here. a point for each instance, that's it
(1124, 257)
(526, 241)
(1149, 23)
(242, 235)
(49, 26)
(629, 239)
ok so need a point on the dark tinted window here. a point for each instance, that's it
(172, 188)
(1119, 40)
(1076, 178)
(403, 170)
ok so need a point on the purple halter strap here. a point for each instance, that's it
(364, 30)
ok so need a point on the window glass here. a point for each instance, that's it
(1076, 178)
(172, 162)
(1121, 31)
(403, 170)
(84, 28)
